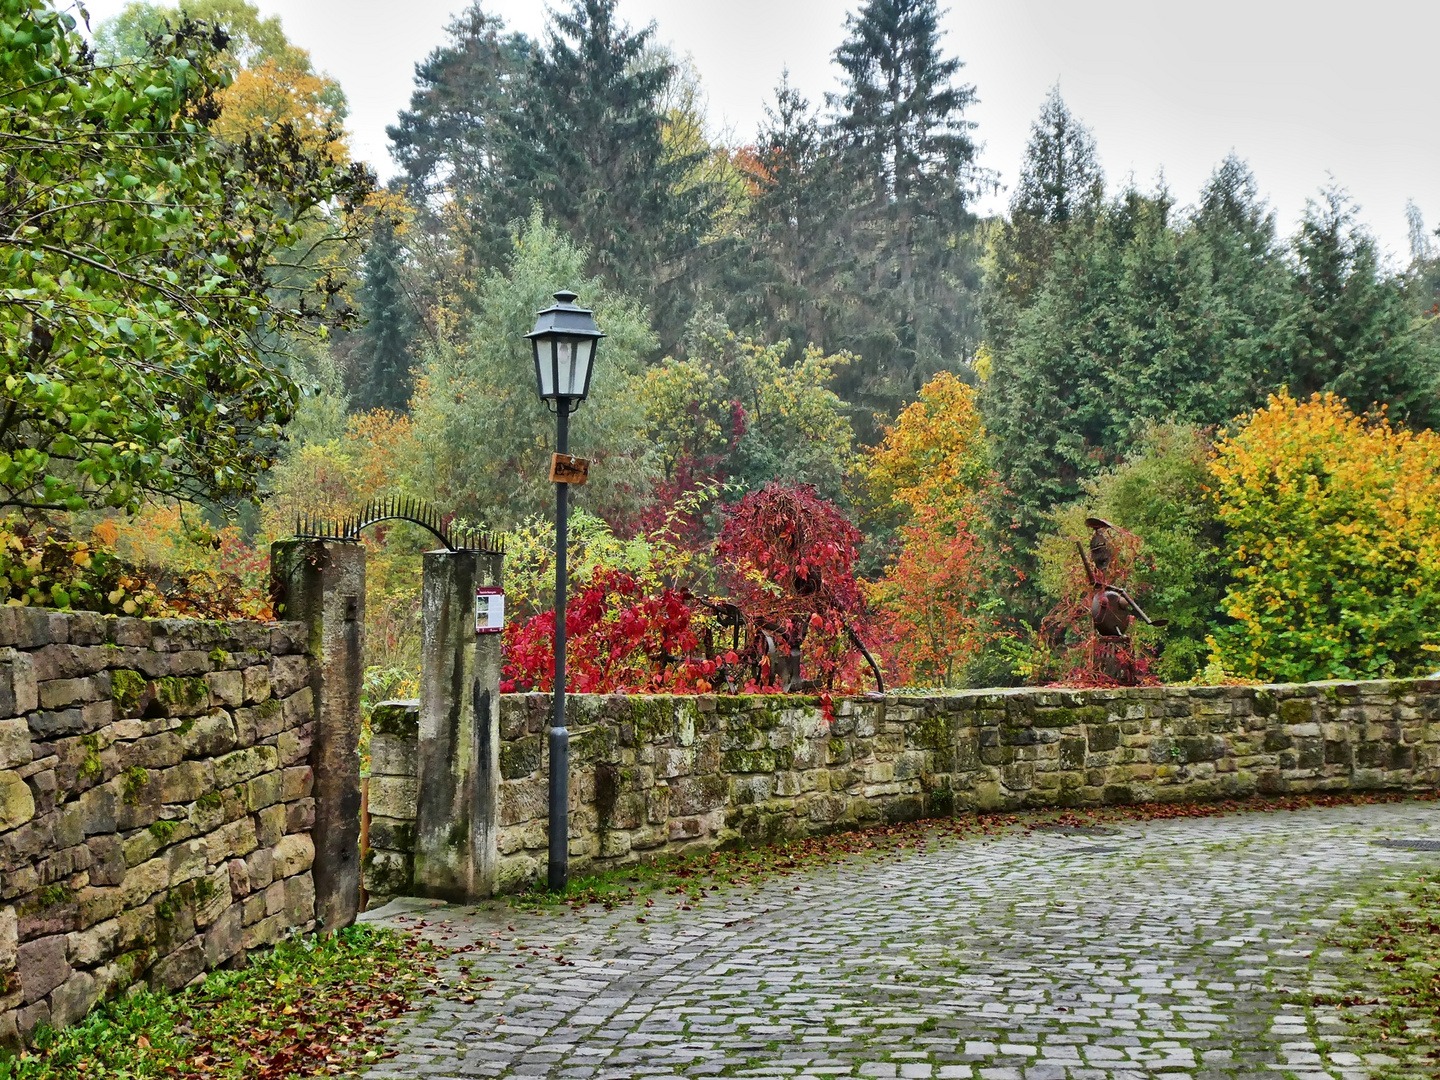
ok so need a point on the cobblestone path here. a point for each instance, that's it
(1173, 949)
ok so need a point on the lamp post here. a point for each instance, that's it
(565, 338)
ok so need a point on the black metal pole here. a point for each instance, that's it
(559, 820)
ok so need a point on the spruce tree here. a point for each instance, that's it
(787, 272)
(588, 148)
(453, 139)
(1353, 330)
(382, 356)
(900, 119)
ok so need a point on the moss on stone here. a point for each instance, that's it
(127, 690)
(1296, 711)
(520, 758)
(756, 761)
(184, 691)
(135, 780)
(1264, 703)
(219, 658)
(936, 732)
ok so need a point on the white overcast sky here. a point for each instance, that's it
(1308, 91)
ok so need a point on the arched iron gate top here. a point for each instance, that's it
(415, 511)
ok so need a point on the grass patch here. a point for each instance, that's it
(311, 1006)
(1399, 939)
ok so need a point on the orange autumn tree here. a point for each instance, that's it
(931, 469)
(1332, 525)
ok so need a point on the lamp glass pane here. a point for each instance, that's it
(586, 350)
(565, 368)
(545, 367)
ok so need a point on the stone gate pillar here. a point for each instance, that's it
(455, 826)
(322, 584)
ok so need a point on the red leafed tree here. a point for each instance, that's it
(930, 601)
(786, 559)
(619, 640)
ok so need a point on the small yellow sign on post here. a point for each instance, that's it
(567, 469)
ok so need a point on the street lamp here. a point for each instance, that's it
(565, 338)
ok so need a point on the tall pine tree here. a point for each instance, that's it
(382, 356)
(900, 119)
(1352, 327)
(786, 275)
(589, 150)
(452, 142)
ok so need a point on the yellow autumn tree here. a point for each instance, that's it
(930, 470)
(934, 454)
(1332, 524)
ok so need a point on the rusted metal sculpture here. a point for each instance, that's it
(755, 641)
(1112, 609)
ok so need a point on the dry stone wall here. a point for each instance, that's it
(659, 775)
(155, 803)
(389, 861)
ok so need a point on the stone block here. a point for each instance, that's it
(288, 674)
(62, 693)
(275, 898)
(31, 1017)
(187, 861)
(42, 964)
(211, 736)
(392, 755)
(86, 948)
(239, 877)
(298, 783)
(107, 859)
(212, 897)
(17, 801)
(266, 931)
(398, 796)
(388, 873)
(226, 687)
(9, 938)
(235, 838)
(260, 868)
(294, 854)
(144, 881)
(222, 940)
(299, 899)
(298, 708)
(241, 765)
(257, 684)
(186, 782)
(270, 826)
(15, 745)
(300, 816)
(182, 965)
(155, 752)
(264, 790)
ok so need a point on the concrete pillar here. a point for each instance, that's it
(455, 827)
(322, 583)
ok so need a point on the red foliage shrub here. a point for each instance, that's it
(786, 559)
(618, 640)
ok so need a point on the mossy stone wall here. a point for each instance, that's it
(663, 775)
(155, 803)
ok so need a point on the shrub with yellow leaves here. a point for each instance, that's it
(1332, 544)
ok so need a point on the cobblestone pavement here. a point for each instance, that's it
(1173, 949)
